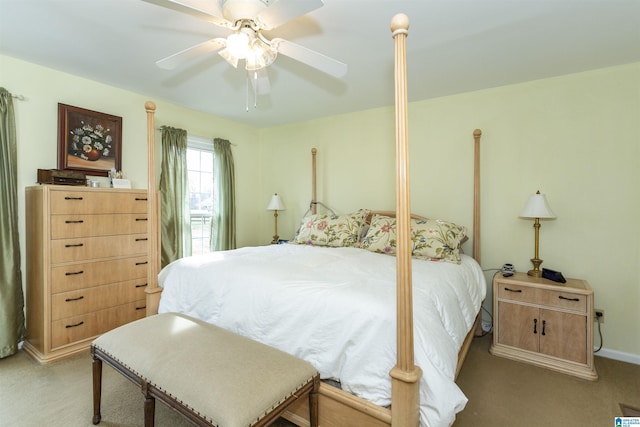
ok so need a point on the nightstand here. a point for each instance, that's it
(544, 323)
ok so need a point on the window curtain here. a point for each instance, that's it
(12, 325)
(174, 191)
(223, 220)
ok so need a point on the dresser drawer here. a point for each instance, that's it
(86, 248)
(77, 328)
(97, 202)
(85, 275)
(82, 301)
(85, 225)
(568, 300)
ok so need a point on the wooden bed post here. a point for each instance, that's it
(313, 181)
(405, 386)
(476, 194)
(153, 215)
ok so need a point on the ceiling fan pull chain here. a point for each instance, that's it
(255, 89)
(246, 101)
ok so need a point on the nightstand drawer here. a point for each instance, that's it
(568, 300)
(519, 293)
(543, 297)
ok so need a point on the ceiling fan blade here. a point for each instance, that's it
(284, 11)
(171, 62)
(190, 10)
(260, 81)
(310, 57)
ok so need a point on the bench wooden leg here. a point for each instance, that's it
(313, 403)
(97, 388)
(149, 406)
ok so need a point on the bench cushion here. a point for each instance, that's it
(225, 378)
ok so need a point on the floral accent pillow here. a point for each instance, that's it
(381, 235)
(437, 239)
(432, 239)
(332, 230)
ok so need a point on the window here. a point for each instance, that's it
(200, 170)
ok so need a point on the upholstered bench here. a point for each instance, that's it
(211, 376)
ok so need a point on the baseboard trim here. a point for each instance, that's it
(619, 355)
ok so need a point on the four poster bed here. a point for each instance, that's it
(328, 297)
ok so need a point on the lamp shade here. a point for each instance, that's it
(275, 204)
(537, 207)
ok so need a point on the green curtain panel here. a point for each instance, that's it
(223, 220)
(12, 326)
(174, 191)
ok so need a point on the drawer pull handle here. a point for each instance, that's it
(75, 245)
(141, 263)
(141, 199)
(141, 308)
(141, 285)
(78, 221)
(141, 239)
(73, 198)
(74, 299)
(73, 273)
(513, 290)
(141, 219)
(535, 326)
(544, 323)
(569, 299)
(73, 326)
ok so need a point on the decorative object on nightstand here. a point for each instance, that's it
(275, 205)
(537, 207)
(544, 323)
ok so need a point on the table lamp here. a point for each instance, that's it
(275, 205)
(536, 208)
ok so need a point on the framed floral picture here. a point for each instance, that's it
(88, 141)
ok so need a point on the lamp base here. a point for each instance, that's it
(536, 272)
(276, 240)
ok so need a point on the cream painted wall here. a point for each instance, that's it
(575, 138)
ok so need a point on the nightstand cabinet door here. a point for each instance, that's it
(544, 323)
(519, 327)
(563, 335)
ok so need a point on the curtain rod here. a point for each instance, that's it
(198, 136)
(19, 97)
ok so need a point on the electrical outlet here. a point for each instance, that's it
(598, 313)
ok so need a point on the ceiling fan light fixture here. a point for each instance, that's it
(238, 44)
(228, 56)
(261, 55)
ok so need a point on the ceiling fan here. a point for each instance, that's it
(245, 19)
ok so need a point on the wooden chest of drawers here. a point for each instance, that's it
(86, 265)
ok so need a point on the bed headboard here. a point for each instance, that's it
(475, 235)
(391, 214)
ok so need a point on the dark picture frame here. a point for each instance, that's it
(88, 141)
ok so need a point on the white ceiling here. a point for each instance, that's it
(453, 46)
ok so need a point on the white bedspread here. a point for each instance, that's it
(335, 307)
